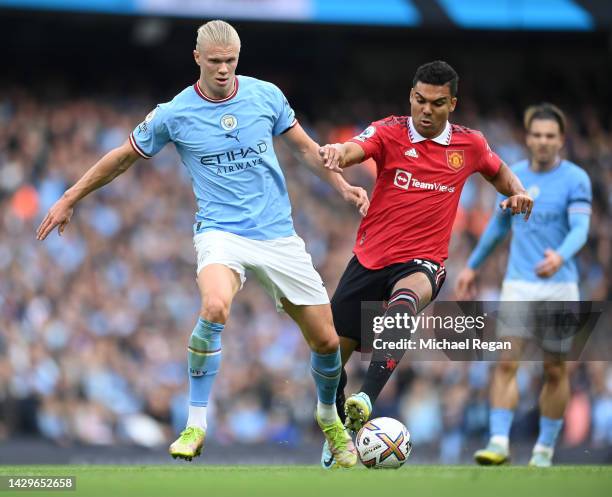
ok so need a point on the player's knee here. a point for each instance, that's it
(507, 368)
(215, 309)
(554, 372)
(326, 344)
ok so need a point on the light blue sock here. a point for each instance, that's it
(500, 421)
(203, 358)
(549, 431)
(326, 370)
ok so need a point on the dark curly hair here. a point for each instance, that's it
(437, 73)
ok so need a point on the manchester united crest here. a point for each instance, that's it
(455, 159)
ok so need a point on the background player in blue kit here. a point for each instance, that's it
(541, 266)
(222, 127)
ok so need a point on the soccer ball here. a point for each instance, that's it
(383, 443)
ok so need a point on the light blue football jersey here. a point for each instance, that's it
(556, 193)
(226, 145)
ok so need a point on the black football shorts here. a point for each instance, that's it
(359, 284)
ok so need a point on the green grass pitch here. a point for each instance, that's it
(311, 481)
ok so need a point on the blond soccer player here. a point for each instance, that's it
(223, 127)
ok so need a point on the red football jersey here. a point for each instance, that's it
(417, 190)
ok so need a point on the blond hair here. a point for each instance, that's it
(217, 33)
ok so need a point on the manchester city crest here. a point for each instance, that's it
(228, 122)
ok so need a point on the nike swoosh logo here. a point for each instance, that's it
(328, 462)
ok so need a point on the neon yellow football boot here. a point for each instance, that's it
(189, 444)
(357, 409)
(339, 442)
(492, 455)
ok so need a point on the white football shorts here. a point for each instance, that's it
(281, 265)
(518, 290)
(519, 317)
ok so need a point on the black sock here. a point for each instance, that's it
(384, 361)
(340, 398)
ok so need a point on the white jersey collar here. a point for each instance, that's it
(443, 138)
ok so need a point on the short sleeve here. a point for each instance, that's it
(284, 114)
(370, 140)
(488, 162)
(150, 136)
(580, 193)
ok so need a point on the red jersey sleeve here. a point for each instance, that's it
(488, 161)
(371, 141)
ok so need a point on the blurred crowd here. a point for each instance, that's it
(94, 324)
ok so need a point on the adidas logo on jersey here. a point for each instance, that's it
(412, 153)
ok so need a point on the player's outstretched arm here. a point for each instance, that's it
(508, 184)
(307, 152)
(337, 156)
(110, 166)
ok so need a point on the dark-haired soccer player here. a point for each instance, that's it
(422, 163)
(541, 266)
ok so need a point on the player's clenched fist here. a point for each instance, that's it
(518, 204)
(59, 215)
(333, 156)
